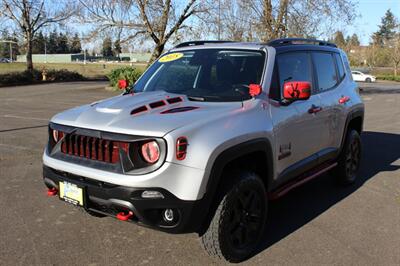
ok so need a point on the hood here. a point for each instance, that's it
(154, 113)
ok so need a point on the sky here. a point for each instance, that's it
(370, 14)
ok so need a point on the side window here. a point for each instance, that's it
(346, 64)
(294, 67)
(339, 63)
(326, 70)
(274, 90)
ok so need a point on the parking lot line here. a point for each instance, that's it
(25, 117)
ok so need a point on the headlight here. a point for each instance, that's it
(151, 152)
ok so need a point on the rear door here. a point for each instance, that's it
(329, 85)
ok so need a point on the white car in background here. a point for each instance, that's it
(359, 76)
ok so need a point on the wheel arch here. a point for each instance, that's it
(354, 120)
(257, 156)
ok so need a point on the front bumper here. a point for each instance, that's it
(110, 199)
(182, 181)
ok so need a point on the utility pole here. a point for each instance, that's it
(84, 56)
(45, 52)
(11, 59)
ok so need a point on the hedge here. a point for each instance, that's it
(26, 77)
(128, 73)
(388, 77)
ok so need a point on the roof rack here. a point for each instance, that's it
(194, 43)
(291, 41)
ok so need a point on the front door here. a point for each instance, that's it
(297, 126)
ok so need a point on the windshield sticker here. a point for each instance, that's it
(170, 57)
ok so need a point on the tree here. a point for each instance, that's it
(299, 18)
(387, 29)
(339, 40)
(153, 19)
(228, 20)
(76, 46)
(5, 46)
(39, 43)
(394, 51)
(107, 47)
(156, 15)
(31, 15)
(354, 41)
(117, 48)
(62, 44)
(52, 42)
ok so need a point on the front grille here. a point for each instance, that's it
(92, 148)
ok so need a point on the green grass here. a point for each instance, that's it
(388, 77)
(90, 70)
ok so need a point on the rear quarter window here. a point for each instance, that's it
(326, 70)
(340, 66)
(347, 65)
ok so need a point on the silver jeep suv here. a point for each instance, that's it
(207, 135)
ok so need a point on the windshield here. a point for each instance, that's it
(208, 74)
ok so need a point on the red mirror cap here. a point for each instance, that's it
(123, 84)
(296, 90)
(255, 89)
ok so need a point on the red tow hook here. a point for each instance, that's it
(52, 192)
(122, 216)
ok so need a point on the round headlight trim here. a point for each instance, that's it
(151, 151)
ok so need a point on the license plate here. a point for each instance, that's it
(71, 193)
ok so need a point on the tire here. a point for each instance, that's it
(368, 80)
(238, 223)
(349, 159)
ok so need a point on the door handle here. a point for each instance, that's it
(314, 109)
(344, 99)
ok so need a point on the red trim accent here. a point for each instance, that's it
(88, 142)
(181, 148)
(157, 104)
(297, 182)
(344, 99)
(115, 153)
(175, 100)
(295, 90)
(122, 216)
(255, 89)
(139, 110)
(123, 84)
(107, 151)
(150, 151)
(81, 148)
(52, 192)
(100, 151)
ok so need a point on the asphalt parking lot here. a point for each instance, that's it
(318, 223)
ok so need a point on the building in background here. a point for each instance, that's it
(71, 58)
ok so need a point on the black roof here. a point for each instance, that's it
(299, 41)
(285, 44)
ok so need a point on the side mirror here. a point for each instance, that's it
(296, 90)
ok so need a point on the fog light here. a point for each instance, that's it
(168, 215)
(151, 194)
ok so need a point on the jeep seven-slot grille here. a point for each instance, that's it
(93, 148)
